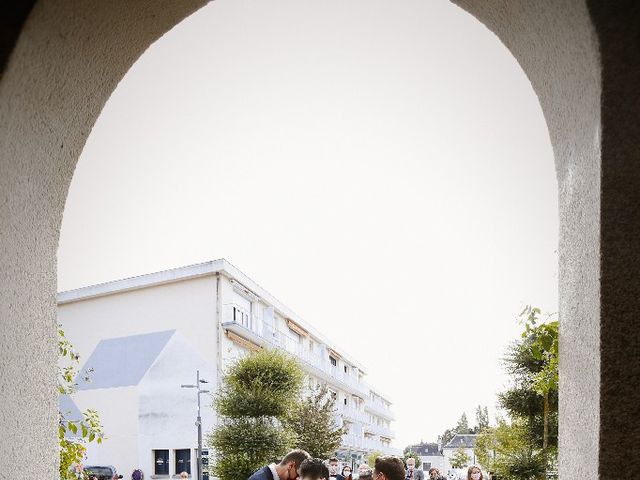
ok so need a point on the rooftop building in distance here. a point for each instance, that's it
(430, 454)
(465, 442)
(145, 336)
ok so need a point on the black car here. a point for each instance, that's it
(102, 472)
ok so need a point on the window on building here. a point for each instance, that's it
(333, 394)
(346, 401)
(161, 462)
(346, 370)
(183, 461)
(333, 361)
(268, 320)
(241, 310)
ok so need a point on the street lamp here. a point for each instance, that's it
(198, 419)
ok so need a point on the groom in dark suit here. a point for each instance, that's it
(412, 472)
(287, 469)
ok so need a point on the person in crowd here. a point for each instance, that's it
(345, 474)
(313, 469)
(334, 466)
(363, 467)
(412, 473)
(474, 473)
(287, 469)
(365, 473)
(137, 475)
(434, 474)
(184, 475)
(388, 468)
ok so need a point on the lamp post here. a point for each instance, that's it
(198, 420)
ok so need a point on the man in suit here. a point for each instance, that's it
(313, 469)
(287, 469)
(412, 472)
(388, 468)
(334, 466)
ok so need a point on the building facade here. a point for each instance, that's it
(465, 442)
(431, 456)
(143, 337)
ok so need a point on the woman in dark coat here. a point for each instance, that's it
(346, 473)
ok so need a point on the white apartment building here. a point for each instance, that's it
(145, 336)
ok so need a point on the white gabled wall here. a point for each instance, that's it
(167, 413)
(121, 428)
(157, 406)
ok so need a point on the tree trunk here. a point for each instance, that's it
(545, 429)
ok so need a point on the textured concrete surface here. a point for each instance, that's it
(618, 27)
(555, 43)
(67, 61)
(72, 54)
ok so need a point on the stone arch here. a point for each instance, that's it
(70, 56)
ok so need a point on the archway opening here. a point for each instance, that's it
(377, 152)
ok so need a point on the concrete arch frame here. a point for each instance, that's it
(582, 58)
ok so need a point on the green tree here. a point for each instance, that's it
(463, 425)
(447, 436)
(253, 402)
(313, 422)
(73, 433)
(507, 449)
(411, 454)
(371, 458)
(533, 364)
(543, 342)
(482, 418)
(460, 459)
(525, 446)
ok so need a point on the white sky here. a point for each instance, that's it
(382, 167)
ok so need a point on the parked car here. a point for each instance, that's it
(102, 472)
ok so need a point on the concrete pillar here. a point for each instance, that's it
(618, 28)
(69, 58)
(556, 45)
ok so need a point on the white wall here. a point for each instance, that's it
(118, 409)
(163, 411)
(167, 413)
(436, 462)
(188, 306)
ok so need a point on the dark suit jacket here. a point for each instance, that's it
(263, 474)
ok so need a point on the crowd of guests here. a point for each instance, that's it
(299, 465)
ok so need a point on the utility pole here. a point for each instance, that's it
(198, 420)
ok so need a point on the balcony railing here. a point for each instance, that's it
(235, 315)
(379, 408)
(353, 441)
(379, 430)
(367, 444)
(352, 413)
